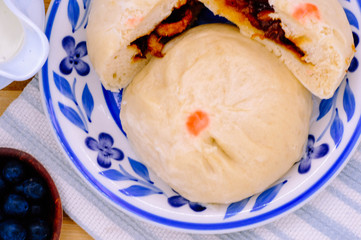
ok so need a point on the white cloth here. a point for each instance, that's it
(335, 213)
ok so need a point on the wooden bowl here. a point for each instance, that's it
(29, 161)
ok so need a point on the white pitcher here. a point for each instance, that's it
(24, 47)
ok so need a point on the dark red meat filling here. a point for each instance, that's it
(257, 12)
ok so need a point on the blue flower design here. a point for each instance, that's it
(105, 150)
(312, 152)
(179, 201)
(73, 60)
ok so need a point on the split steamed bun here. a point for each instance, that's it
(218, 118)
(319, 28)
(112, 26)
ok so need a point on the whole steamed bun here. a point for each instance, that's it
(218, 118)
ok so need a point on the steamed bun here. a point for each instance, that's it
(319, 28)
(218, 118)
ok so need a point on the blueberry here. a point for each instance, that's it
(12, 230)
(39, 230)
(31, 188)
(13, 171)
(16, 205)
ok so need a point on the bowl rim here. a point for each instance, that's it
(38, 167)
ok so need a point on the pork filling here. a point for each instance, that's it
(257, 12)
(181, 19)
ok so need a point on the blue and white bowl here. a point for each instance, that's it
(85, 119)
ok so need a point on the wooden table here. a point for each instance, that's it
(70, 230)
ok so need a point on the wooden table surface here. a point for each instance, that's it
(70, 230)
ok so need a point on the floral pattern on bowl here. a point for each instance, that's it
(85, 119)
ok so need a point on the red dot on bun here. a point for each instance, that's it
(306, 10)
(197, 122)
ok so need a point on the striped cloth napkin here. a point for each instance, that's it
(334, 213)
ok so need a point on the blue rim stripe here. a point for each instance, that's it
(169, 222)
